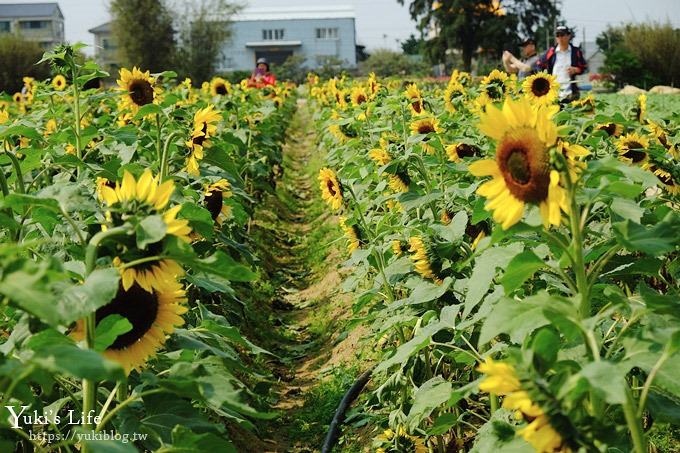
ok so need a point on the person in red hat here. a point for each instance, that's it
(261, 77)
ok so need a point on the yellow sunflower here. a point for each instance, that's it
(205, 127)
(379, 156)
(59, 82)
(573, 154)
(457, 151)
(215, 194)
(398, 182)
(4, 116)
(353, 235)
(493, 88)
(670, 182)
(331, 190)
(454, 93)
(219, 87)
(426, 126)
(372, 85)
(501, 379)
(662, 138)
(153, 316)
(397, 248)
(612, 129)
(632, 149)
(358, 96)
(421, 259)
(521, 171)
(541, 88)
(158, 275)
(586, 104)
(147, 191)
(139, 87)
(415, 99)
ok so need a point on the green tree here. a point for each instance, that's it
(413, 45)
(18, 59)
(144, 32)
(203, 29)
(468, 24)
(642, 54)
(293, 69)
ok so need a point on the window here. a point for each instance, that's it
(273, 34)
(107, 44)
(4, 27)
(327, 33)
(34, 24)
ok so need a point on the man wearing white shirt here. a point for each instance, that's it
(565, 62)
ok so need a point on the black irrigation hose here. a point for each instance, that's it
(339, 417)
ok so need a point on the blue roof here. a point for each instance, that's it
(29, 10)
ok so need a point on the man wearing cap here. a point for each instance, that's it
(565, 61)
(524, 67)
(261, 77)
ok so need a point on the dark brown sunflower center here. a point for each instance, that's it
(137, 306)
(465, 150)
(141, 92)
(635, 152)
(213, 203)
(425, 128)
(540, 87)
(331, 188)
(361, 99)
(666, 179)
(495, 91)
(518, 166)
(417, 106)
(199, 140)
(610, 129)
(523, 164)
(221, 89)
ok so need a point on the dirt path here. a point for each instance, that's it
(308, 306)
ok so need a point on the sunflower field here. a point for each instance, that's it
(503, 270)
(517, 262)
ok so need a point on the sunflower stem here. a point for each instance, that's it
(76, 112)
(20, 186)
(3, 183)
(159, 129)
(634, 425)
(163, 165)
(582, 283)
(89, 385)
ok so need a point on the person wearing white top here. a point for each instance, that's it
(564, 61)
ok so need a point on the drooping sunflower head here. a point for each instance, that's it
(422, 259)
(415, 99)
(59, 82)
(612, 129)
(139, 88)
(541, 88)
(453, 95)
(353, 235)
(662, 137)
(152, 314)
(205, 127)
(632, 148)
(215, 194)
(219, 87)
(399, 181)
(380, 156)
(458, 151)
(668, 175)
(585, 105)
(331, 189)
